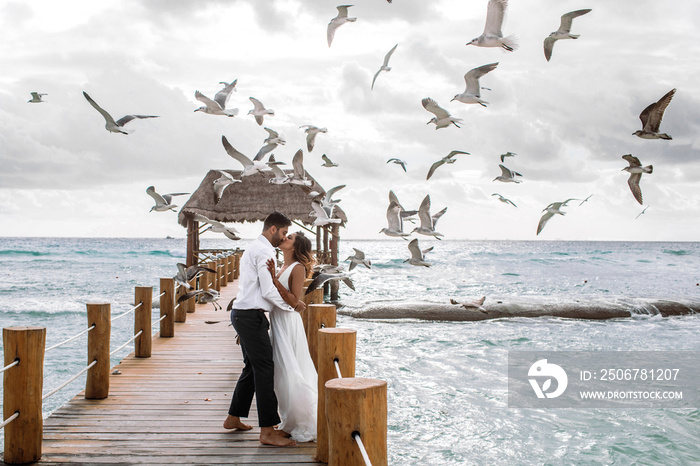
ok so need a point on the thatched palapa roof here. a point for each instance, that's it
(251, 200)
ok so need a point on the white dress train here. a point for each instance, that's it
(296, 380)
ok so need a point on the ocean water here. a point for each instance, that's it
(447, 384)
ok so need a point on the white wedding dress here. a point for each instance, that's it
(296, 380)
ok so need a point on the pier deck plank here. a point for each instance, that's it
(169, 408)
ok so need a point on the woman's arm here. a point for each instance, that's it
(289, 297)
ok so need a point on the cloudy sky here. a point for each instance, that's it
(569, 120)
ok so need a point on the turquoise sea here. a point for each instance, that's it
(447, 383)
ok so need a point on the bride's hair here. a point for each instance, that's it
(303, 253)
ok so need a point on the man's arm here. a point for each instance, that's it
(267, 287)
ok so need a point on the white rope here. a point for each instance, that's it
(133, 308)
(69, 381)
(127, 342)
(176, 306)
(9, 419)
(337, 368)
(365, 456)
(161, 295)
(70, 339)
(13, 363)
(158, 321)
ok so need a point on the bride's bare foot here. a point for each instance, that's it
(282, 433)
(270, 436)
(234, 422)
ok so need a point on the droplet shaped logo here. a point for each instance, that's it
(542, 370)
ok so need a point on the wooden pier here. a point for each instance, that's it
(169, 408)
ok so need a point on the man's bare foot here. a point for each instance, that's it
(234, 422)
(270, 436)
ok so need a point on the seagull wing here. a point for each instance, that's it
(318, 208)
(568, 18)
(471, 78)
(434, 167)
(652, 115)
(548, 46)
(505, 172)
(392, 216)
(257, 104)
(298, 165)
(543, 221)
(455, 152)
(211, 105)
(633, 182)
(332, 191)
(415, 250)
(437, 216)
(245, 161)
(495, 13)
(433, 107)
(424, 213)
(273, 134)
(151, 191)
(223, 95)
(330, 33)
(375, 78)
(326, 159)
(633, 161)
(103, 112)
(359, 254)
(264, 150)
(277, 171)
(343, 11)
(310, 140)
(127, 118)
(389, 54)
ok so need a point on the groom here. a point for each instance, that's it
(257, 295)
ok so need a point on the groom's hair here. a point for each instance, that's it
(276, 219)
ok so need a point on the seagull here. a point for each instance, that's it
(273, 140)
(338, 21)
(492, 35)
(163, 202)
(218, 105)
(358, 259)
(400, 162)
(651, 118)
(217, 227)
(260, 111)
(635, 170)
(185, 274)
(394, 220)
(115, 126)
(477, 305)
(507, 154)
(564, 31)
(299, 176)
(249, 167)
(311, 132)
(328, 162)
(640, 213)
(205, 296)
(36, 98)
(507, 176)
(472, 93)
(280, 176)
(504, 200)
(385, 66)
(322, 217)
(585, 200)
(428, 222)
(327, 201)
(322, 278)
(404, 214)
(550, 211)
(442, 118)
(417, 256)
(447, 159)
(222, 182)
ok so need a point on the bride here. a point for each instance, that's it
(295, 375)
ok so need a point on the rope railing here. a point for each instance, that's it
(361, 446)
(55, 390)
(9, 419)
(127, 342)
(337, 368)
(161, 295)
(133, 308)
(12, 364)
(69, 339)
(159, 320)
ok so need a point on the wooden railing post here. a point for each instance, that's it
(142, 321)
(22, 392)
(217, 277)
(167, 308)
(97, 381)
(224, 270)
(181, 310)
(189, 304)
(315, 297)
(356, 406)
(333, 343)
(237, 266)
(230, 259)
(318, 316)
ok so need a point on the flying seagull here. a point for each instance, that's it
(280, 176)
(472, 93)
(358, 259)
(205, 296)
(36, 98)
(417, 256)
(640, 213)
(163, 202)
(185, 274)
(442, 118)
(299, 176)
(492, 35)
(401, 163)
(218, 105)
(651, 118)
(322, 217)
(395, 223)
(428, 222)
(385, 66)
(449, 158)
(259, 111)
(327, 201)
(322, 278)
(635, 170)
(403, 213)
(550, 211)
(273, 140)
(249, 167)
(222, 182)
(564, 31)
(217, 227)
(311, 132)
(504, 200)
(473, 305)
(338, 21)
(328, 162)
(507, 176)
(507, 154)
(111, 125)
(585, 200)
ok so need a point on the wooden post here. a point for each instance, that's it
(318, 316)
(181, 310)
(237, 266)
(335, 239)
(216, 278)
(333, 343)
(142, 321)
(167, 308)
(22, 391)
(97, 381)
(204, 280)
(231, 267)
(222, 281)
(359, 406)
(192, 242)
(315, 297)
(319, 248)
(189, 304)
(211, 278)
